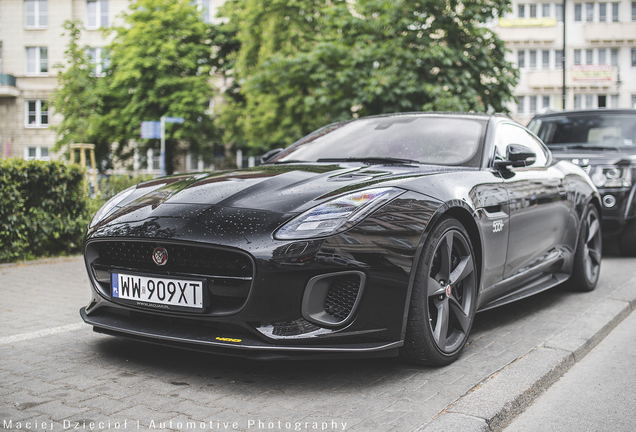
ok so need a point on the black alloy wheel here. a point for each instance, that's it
(444, 295)
(589, 250)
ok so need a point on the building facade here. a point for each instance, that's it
(600, 54)
(31, 45)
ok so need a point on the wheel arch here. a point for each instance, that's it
(460, 211)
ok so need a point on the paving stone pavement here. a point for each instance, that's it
(56, 374)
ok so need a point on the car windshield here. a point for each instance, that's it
(603, 130)
(435, 140)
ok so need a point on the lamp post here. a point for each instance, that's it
(563, 56)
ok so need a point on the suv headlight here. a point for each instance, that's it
(611, 176)
(336, 215)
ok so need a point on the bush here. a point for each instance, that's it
(43, 210)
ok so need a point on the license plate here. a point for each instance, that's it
(157, 292)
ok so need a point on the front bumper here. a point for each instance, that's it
(227, 342)
(618, 207)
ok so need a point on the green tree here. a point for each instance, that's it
(378, 56)
(160, 62)
(262, 29)
(78, 96)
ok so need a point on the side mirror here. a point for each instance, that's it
(270, 155)
(517, 155)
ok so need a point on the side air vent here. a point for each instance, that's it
(331, 300)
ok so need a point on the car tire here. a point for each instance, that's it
(443, 299)
(587, 258)
(627, 239)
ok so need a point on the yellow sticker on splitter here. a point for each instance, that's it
(228, 339)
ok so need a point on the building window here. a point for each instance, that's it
(634, 101)
(204, 7)
(589, 56)
(602, 12)
(37, 61)
(521, 59)
(36, 14)
(558, 59)
(589, 101)
(559, 12)
(578, 8)
(601, 101)
(533, 11)
(96, 14)
(633, 57)
(633, 11)
(602, 56)
(521, 100)
(37, 113)
(99, 59)
(521, 11)
(589, 12)
(614, 101)
(614, 56)
(577, 56)
(533, 104)
(533, 59)
(545, 59)
(577, 102)
(545, 10)
(545, 103)
(36, 153)
(615, 12)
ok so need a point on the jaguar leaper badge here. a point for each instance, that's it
(160, 256)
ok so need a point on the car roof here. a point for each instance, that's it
(593, 112)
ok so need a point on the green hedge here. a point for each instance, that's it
(43, 210)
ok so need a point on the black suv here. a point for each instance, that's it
(603, 143)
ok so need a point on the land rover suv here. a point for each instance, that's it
(603, 143)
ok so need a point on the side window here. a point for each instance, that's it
(512, 134)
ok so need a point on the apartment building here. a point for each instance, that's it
(31, 44)
(600, 54)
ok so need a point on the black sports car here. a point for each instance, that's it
(380, 236)
(603, 143)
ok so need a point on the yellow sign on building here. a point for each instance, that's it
(527, 22)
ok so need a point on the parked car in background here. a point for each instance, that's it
(379, 236)
(603, 143)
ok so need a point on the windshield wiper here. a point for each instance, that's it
(371, 160)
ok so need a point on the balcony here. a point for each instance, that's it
(8, 86)
(616, 32)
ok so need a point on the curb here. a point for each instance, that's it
(492, 404)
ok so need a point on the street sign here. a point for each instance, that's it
(150, 129)
(174, 119)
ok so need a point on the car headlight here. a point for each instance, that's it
(336, 215)
(110, 205)
(611, 176)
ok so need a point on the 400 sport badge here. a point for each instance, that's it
(380, 236)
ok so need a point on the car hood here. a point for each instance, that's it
(235, 207)
(594, 157)
(276, 188)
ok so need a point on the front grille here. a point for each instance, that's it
(342, 296)
(182, 259)
(228, 273)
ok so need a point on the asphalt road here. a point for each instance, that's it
(597, 394)
(56, 374)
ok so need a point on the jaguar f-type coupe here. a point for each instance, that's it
(380, 236)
